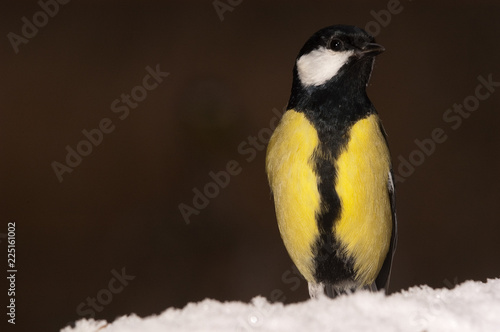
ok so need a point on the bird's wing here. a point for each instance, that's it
(384, 275)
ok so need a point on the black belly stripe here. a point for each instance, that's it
(331, 265)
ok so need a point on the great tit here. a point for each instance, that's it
(329, 168)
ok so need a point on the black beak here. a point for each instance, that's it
(371, 49)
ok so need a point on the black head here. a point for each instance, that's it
(332, 50)
(336, 57)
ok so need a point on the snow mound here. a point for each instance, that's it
(471, 306)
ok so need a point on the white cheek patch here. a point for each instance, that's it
(320, 65)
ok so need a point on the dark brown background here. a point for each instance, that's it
(119, 208)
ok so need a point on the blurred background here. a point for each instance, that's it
(132, 205)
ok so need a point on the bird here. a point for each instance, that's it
(329, 168)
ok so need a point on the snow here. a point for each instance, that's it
(471, 306)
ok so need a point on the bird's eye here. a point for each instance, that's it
(336, 44)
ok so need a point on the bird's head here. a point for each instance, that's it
(335, 52)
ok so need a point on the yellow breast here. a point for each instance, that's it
(365, 224)
(289, 166)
